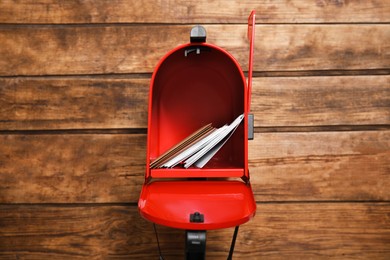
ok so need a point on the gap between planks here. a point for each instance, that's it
(146, 75)
(134, 204)
(271, 129)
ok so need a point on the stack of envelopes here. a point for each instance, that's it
(198, 148)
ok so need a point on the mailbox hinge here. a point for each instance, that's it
(251, 126)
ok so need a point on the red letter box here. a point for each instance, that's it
(193, 85)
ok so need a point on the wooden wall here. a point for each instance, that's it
(74, 81)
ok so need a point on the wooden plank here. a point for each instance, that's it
(73, 103)
(129, 49)
(320, 166)
(279, 231)
(316, 101)
(116, 102)
(71, 168)
(87, 168)
(190, 11)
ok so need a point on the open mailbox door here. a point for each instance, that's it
(195, 85)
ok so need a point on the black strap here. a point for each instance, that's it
(158, 243)
(230, 257)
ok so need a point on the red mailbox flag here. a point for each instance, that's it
(251, 38)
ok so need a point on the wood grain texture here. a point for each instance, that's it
(60, 50)
(104, 103)
(71, 168)
(73, 103)
(316, 101)
(88, 168)
(72, 148)
(278, 231)
(190, 11)
(320, 166)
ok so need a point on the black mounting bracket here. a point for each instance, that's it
(195, 244)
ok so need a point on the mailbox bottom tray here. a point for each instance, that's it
(223, 203)
(196, 172)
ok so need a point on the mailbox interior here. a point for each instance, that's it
(190, 91)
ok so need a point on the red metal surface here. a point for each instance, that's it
(223, 203)
(186, 93)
